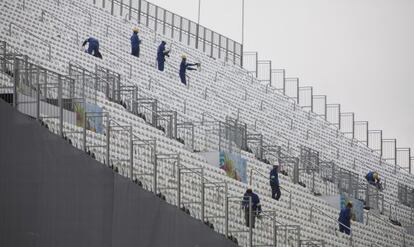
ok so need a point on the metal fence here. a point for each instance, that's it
(177, 27)
(41, 93)
(344, 122)
(406, 195)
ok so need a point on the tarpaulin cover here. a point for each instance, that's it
(52, 194)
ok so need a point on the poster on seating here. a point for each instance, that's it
(357, 206)
(92, 123)
(234, 166)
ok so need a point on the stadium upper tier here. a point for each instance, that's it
(220, 94)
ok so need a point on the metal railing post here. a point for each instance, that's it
(60, 102)
(313, 180)
(155, 173)
(139, 12)
(275, 229)
(108, 139)
(351, 241)
(170, 127)
(178, 186)
(121, 7)
(311, 214)
(155, 19)
(154, 114)
(107, 30)
(47, 43)
(148, 14)
(85, 115)
(192, 138)
(250, 223)
(175, 125)
(367, 196)
(130, 10)
(37, 95)
(10, 28)
(404, 245)
(202, 195)
(4, 52)
(135, 101)
(50, 52)
(296, 171)
(226, 211)
(131, 153)
(42, 13)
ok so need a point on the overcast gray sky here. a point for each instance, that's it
(358, 52)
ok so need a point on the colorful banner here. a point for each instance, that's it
(234, 165)
(357, 206)
(93, 123)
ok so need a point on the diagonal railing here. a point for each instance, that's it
(11, 24)
(42, 18)
(313, 208)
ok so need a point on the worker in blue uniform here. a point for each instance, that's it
(345, 219)
(256, 207)
(184, 66)
(274, 182)
(162, 52)
(374, 179)
(135, 42)
(93, 47)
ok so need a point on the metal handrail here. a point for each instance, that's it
(279, 134)
(401, 231)
(133, 135)
(206, 113)
(161, 104)
(117, 30)
(151, 79)
(232, 104)
(213, 117)
(231, 79)
(337, 221)
(93, 73)
(59, 20)
(225, 100)
(272, 216)
(84, 11)
(217, 183)
(32, 34)
(261, 174)
(108, 83)
(120, 58)
(311, 242)
(159, 116)
(386, 221)
(14, 50)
